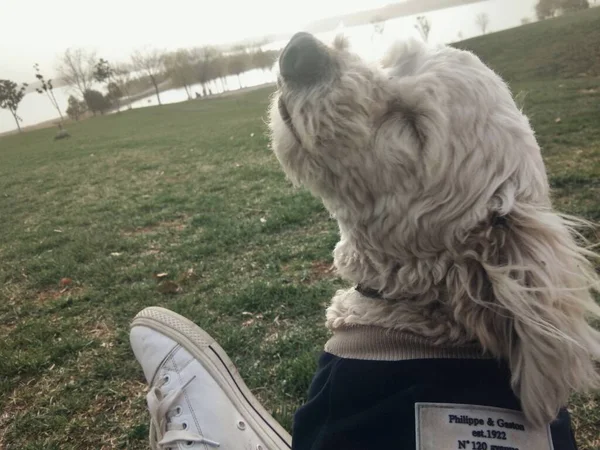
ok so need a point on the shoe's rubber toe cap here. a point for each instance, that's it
(150, 349)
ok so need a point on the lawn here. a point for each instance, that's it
(184, 206)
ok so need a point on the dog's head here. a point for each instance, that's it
(438, 185)
(405, 156)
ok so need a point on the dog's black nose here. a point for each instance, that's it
(304, 59)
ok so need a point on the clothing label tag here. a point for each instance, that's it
(447, 426)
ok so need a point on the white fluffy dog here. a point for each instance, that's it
(438, 185)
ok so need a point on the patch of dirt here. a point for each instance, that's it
(275, 331)
(152, 251)
(6, 329)
(178, 224)
(12, 407)
(122, 404)
(586, 420)
(101, 331)
(125, 408)
(55, 294)
(321, 269)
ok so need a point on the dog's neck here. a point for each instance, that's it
(402, 292)
(379, 274)
(420, 316)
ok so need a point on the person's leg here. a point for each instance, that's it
(197, 398)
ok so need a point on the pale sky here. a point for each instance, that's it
(38, 30)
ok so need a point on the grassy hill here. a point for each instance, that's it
(553, 68)
(564, 47)
(387, 12)
(192, 192)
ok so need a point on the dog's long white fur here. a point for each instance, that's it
(438, 185)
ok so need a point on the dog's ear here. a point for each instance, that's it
(402, 57)
(524, 290)
(341, 42)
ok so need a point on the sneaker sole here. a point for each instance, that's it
(210, 354)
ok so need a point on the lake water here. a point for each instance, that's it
(447, 25)
(231, 83)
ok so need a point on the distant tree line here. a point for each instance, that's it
(550, 8)
(99, 86)
(155, 70)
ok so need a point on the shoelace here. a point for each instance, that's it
(163, 433)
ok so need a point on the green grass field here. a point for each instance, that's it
(184, 206)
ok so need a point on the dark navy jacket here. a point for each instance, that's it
(362, 405)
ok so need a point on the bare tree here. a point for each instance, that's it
(264, 60)
(180, 69)
(76, 69)
(203, 65)
(239, 63)
(47, 88)
(220, 68)
(546, 9)
(482, 20)
(150, 62)
(574, 5)
(378, 25)
(525, 20)
(423, 26)
(122, 77)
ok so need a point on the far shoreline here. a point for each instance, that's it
(124, 108)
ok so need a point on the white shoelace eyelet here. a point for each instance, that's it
(259, 447)
(241, 425)
(178, 411)
(184, 425)
(166, 379)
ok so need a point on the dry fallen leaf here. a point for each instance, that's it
(248, 322)
(115, 254)
(263, 220)
(558, 120)
(65, 282)
(161, 275)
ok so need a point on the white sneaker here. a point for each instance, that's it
(197, 399)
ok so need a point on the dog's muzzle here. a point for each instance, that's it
(304, 60)
(285, 115)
